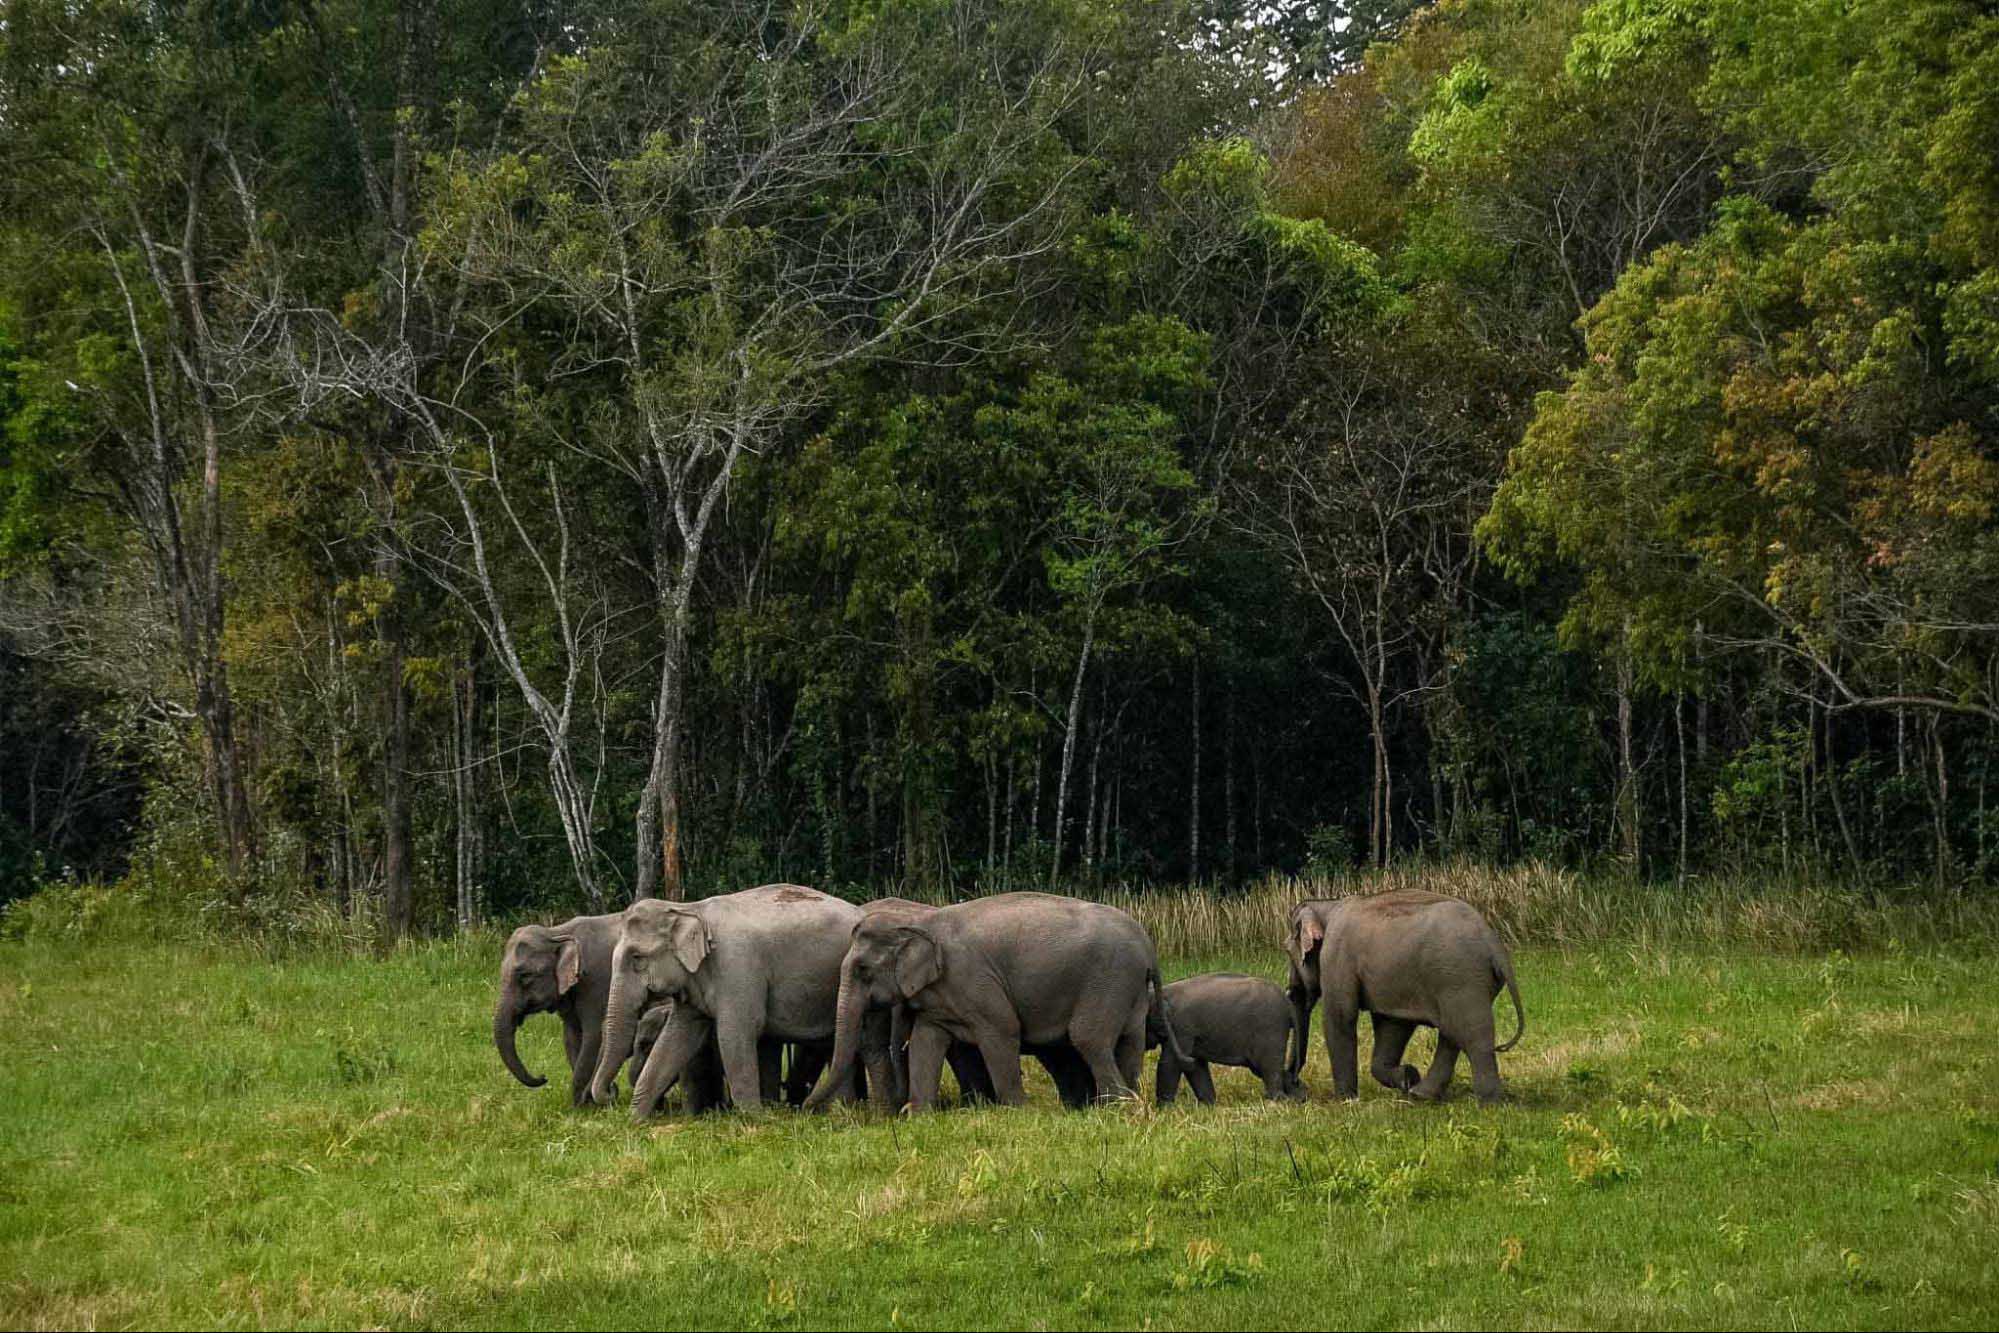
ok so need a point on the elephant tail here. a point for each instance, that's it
(1502, 967)
(1163, 1013)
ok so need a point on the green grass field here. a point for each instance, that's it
(197, 1135)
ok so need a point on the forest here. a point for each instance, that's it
(462, 458)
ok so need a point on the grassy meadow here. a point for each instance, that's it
(204, 1133)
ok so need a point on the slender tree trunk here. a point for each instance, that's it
(1378, 791)
(1627, 767)
(1680, 733)
(1069, 748)
(658, 824)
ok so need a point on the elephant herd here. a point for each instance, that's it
(786, 993)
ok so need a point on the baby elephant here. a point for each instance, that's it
(1226, 1018)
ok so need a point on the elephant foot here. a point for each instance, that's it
(1419, 1093)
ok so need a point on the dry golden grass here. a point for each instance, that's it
(1541, 904)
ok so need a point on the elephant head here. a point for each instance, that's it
(659, 949)
(1304, 934)
(889, 963)
(538, 968)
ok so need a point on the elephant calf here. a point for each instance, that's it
(1226, 1018)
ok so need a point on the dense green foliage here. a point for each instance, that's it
(1701, 1139)
(459, 458)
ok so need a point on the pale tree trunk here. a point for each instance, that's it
(1069, 748)
(658, 825)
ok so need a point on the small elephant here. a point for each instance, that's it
(743, 968)
(1226, 1018)
(564, 970)
(1006, 973)
(1411, 959)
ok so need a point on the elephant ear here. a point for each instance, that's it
(690, 940)
(568, 964)
(1307, 931)
(918, 962)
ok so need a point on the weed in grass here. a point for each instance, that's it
(1211, 1266)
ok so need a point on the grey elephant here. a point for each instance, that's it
(564, 970)
(1013, 971)
(1226, 1018)
(1065, 1066)
(1411, 959)
(744, 968)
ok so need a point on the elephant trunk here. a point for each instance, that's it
(1301, 1029)
(848, 1009)
(898, 1055)
(620, 1017)
(506, 1020)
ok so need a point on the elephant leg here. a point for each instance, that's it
(927, 1045)
(588, 1049)
(1442, 1066)
(1096, 1033)
(1131, 1057)
(1072, 1077)
(703, 1079)
(736, 1034)
(1485, 1072)
(1202, 1082)
(580, 1073)
(1342, 1048)
(1276, 1087)
(1166, 1083)
(1000, 1049)
(770, 1069)
(974, 1084)
(1391, 1039)
(679, 1044)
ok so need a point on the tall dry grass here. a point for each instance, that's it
(1540, 904)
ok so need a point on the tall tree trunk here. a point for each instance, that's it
(1627, 768)
(1680, 732)
(658, 825)
(1069, 748)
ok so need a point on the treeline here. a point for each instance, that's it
(462, 456)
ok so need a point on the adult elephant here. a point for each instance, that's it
(763, 964)
(1411, 959)
(1012, 970)
(564, 970)
(1065, 1065)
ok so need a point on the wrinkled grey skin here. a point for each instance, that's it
(763, 964)
(1010, 971)
(1073, 1081)
(564, 970)
(1226, 1018)
(1411, 959)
